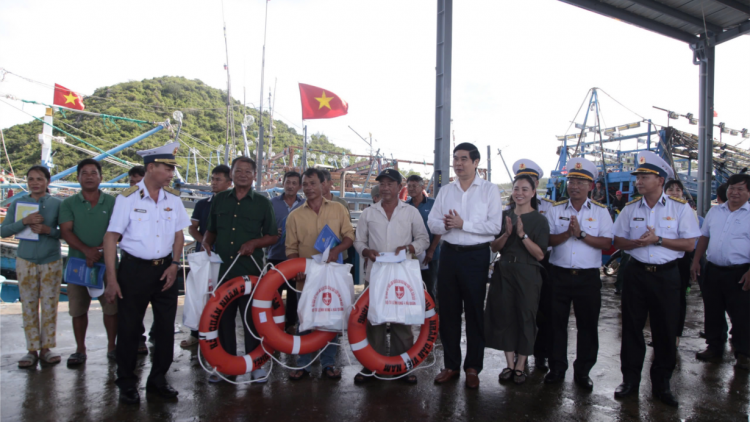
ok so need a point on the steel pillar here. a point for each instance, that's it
(704, 55)
(443, 93)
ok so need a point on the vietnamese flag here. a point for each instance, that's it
(67, 98)
(318, 103)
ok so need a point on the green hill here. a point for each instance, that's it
(153, 100)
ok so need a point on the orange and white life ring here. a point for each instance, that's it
(208, 334)
(403, 194)
(274, 335)
(391, 365)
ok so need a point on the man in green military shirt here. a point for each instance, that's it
(241, 223)
(84, 218)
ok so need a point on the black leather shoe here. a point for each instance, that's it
(625, 389)
(584, 381)
(710, 353)
(130, 396)
(667, 398)
(164, 390)
(540, 363)
(554, 377)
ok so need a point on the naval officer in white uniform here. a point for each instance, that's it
(656, 230)
(579, 230)
(150, 218)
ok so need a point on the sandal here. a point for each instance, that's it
(519, 377)
(363, 377)
(142, 348)
(188, 342)
(50, 358)
(76, 359)
(332, 373)
(28, 361)
(505, 375)
(297, 374)
(409, 379)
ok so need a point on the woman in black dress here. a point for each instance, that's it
(510, 315)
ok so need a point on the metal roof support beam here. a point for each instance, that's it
(633, 19)
(733, 33)
(443, 95)
(736, 5)
(705, 56)
(676, 14)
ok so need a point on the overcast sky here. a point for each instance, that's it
(520, 69)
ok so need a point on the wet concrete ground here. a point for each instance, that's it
(706, 391)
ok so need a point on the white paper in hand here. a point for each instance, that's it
(391, 256)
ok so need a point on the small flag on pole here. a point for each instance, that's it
(318, 103)
(716, 114)
(67, 98)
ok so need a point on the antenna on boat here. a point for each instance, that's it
(230, 111)
(259, 155)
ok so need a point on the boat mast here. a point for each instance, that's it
(259, 153)
(230, 112)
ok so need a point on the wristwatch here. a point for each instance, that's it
(525, 236)
(582, 235)
(658, 242)
(176, 263)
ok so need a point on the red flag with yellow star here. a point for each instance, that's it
(318, 103)
(67, 98)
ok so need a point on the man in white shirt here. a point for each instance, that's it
(726, 287)
(657, 230)
(467, 214)
(389, 226)
(150, 218)
(579, 230)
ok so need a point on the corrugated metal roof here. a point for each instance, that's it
(689, 17)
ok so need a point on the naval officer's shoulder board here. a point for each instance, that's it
(598, 204)
(676, 199)
(634, 201)
(548, 200)
(563, 202)
(174, 192)
(129, 191)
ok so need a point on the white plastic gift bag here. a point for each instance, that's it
(396, 293)
(326, 300)
(202, 279)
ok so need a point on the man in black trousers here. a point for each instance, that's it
(467, 214)
(656, 230)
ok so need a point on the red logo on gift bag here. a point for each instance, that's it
(399, 291)
(327, 298)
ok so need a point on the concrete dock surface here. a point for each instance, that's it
(706, 391)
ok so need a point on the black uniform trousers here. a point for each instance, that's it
(227, 326)
(140, 285)
(291, 300)
(723, 293)
(582, 288)
(462, 283)
(429, 277)
(654, 295)
(543, 343)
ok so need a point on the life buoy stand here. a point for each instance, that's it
(208, 335)
(391, 365)
(274, 335)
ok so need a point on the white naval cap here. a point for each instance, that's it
(650, 163)
(163, 154)
(581, 168)
(526, 166)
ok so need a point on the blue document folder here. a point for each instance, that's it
(327, 239)
(77, 272)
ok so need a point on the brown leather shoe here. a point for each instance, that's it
(472, 379)
(446, 375)
(710, 353)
